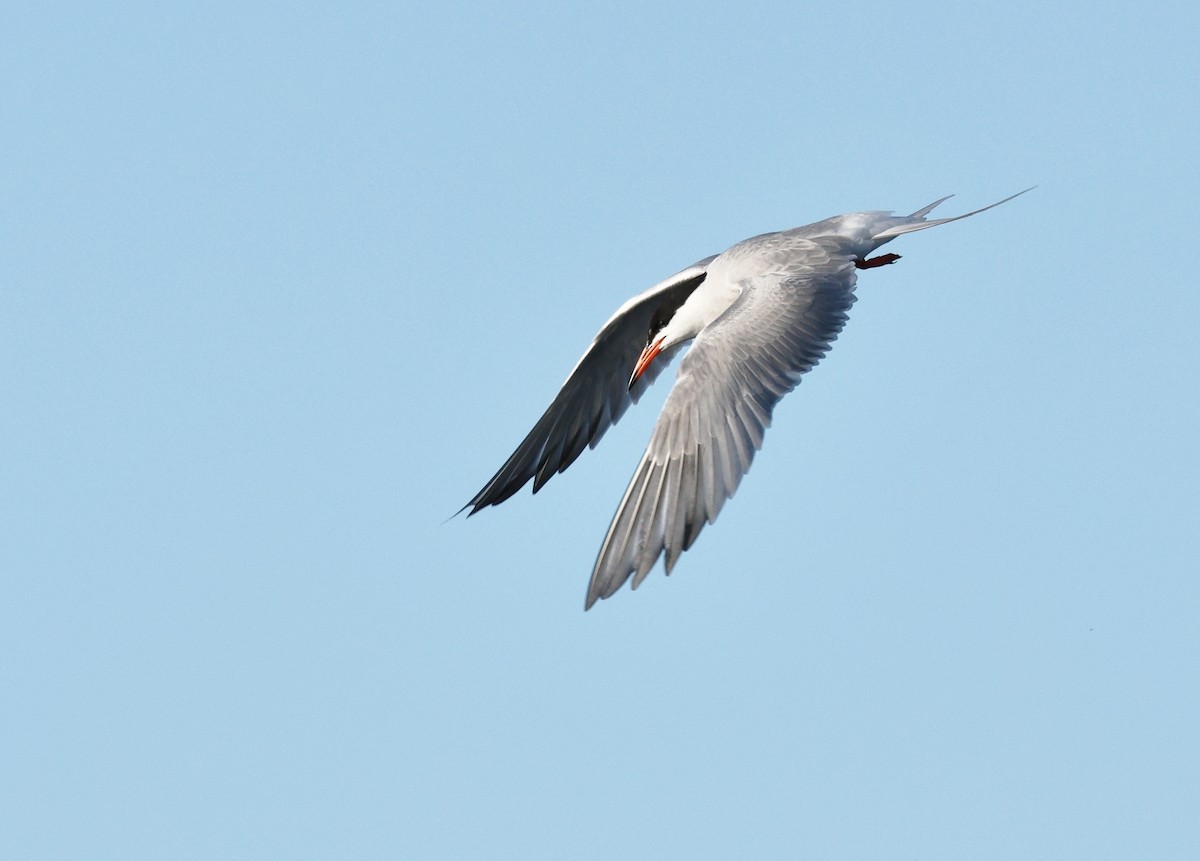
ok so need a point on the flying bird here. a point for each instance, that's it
(759, 316)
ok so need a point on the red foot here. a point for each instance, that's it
(881, 260)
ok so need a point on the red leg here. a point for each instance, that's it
(881, 260)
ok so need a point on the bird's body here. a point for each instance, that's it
(760, 315)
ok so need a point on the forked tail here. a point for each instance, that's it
(917, 219)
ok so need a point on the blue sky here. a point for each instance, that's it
(282, 285)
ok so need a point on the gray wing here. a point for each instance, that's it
(596, 394)
(737, 370)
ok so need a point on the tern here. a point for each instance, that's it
(758, 316)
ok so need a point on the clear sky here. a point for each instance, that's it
(282, 285)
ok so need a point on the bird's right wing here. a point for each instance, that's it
(597, 392)
(712, 423)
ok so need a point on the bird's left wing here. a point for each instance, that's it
(597, 392)
(712, 423)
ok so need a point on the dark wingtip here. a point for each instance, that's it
(474, 510)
